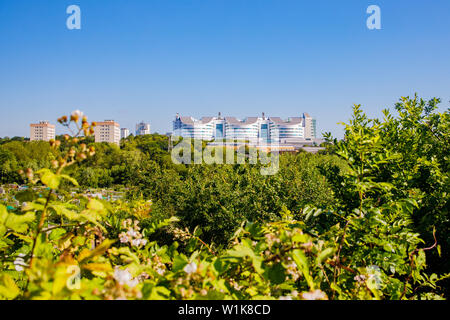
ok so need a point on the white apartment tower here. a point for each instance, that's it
(142, 128)
(107, 131)
(124, 133)
(42, 131)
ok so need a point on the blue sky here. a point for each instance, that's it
(147, 60)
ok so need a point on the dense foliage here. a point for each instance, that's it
(367, 219)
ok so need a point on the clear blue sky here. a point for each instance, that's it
(147, 60)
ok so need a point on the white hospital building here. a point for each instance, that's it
(262, 129)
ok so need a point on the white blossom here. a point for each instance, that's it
(18, 268)
(314, 295)
(132, 233)
(19, 263)
(133, 283)
(122, 276)
(160, 271)
(77, 113)
(136, 242)
(190, 268)
(123, 238)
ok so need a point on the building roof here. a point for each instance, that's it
(207, 119)
(247, 121)
(108, 123)
(232, 120)
(296, 120)
(251, 120)
(187, 120)
(42, 124)
(290, 122)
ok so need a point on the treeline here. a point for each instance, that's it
(217, 198)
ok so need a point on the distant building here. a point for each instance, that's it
(142, 128)
(263, 129)
(124, 133)
(42, 131)
(107, 131)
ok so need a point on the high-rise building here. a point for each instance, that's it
(107, 131)
(251, 128)
(142, 128)
(310, 126)
(124, 133)
(42, 131)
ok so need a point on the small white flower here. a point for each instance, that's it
(360, 278)
(136, 242)
(123, 238)
(291, 265)
(19, 263)
(285, 298)
(133, 283)
(132, 233)
(18, 268)
(77, 113)
(190, 268)
(122, 276)
(315, 295)
(160, 271)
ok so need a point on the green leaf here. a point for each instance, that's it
(19, 223)
(3, 216)
(25, 195)
(324, 255)
(8, 288)
(302, 264)
(70, 179)
(3, 213)
(50, 179)
(69, 214)
(160, 293)
(240, 251)
(95, 205)
(56, 233)
(125, 254)
(99, 250)
(179, 262)
(276, 274)
(220, 265)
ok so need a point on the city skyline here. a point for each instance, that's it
(143, 127)
(150, 59)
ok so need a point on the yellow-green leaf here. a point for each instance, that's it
(50, 179)
(8, 288)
